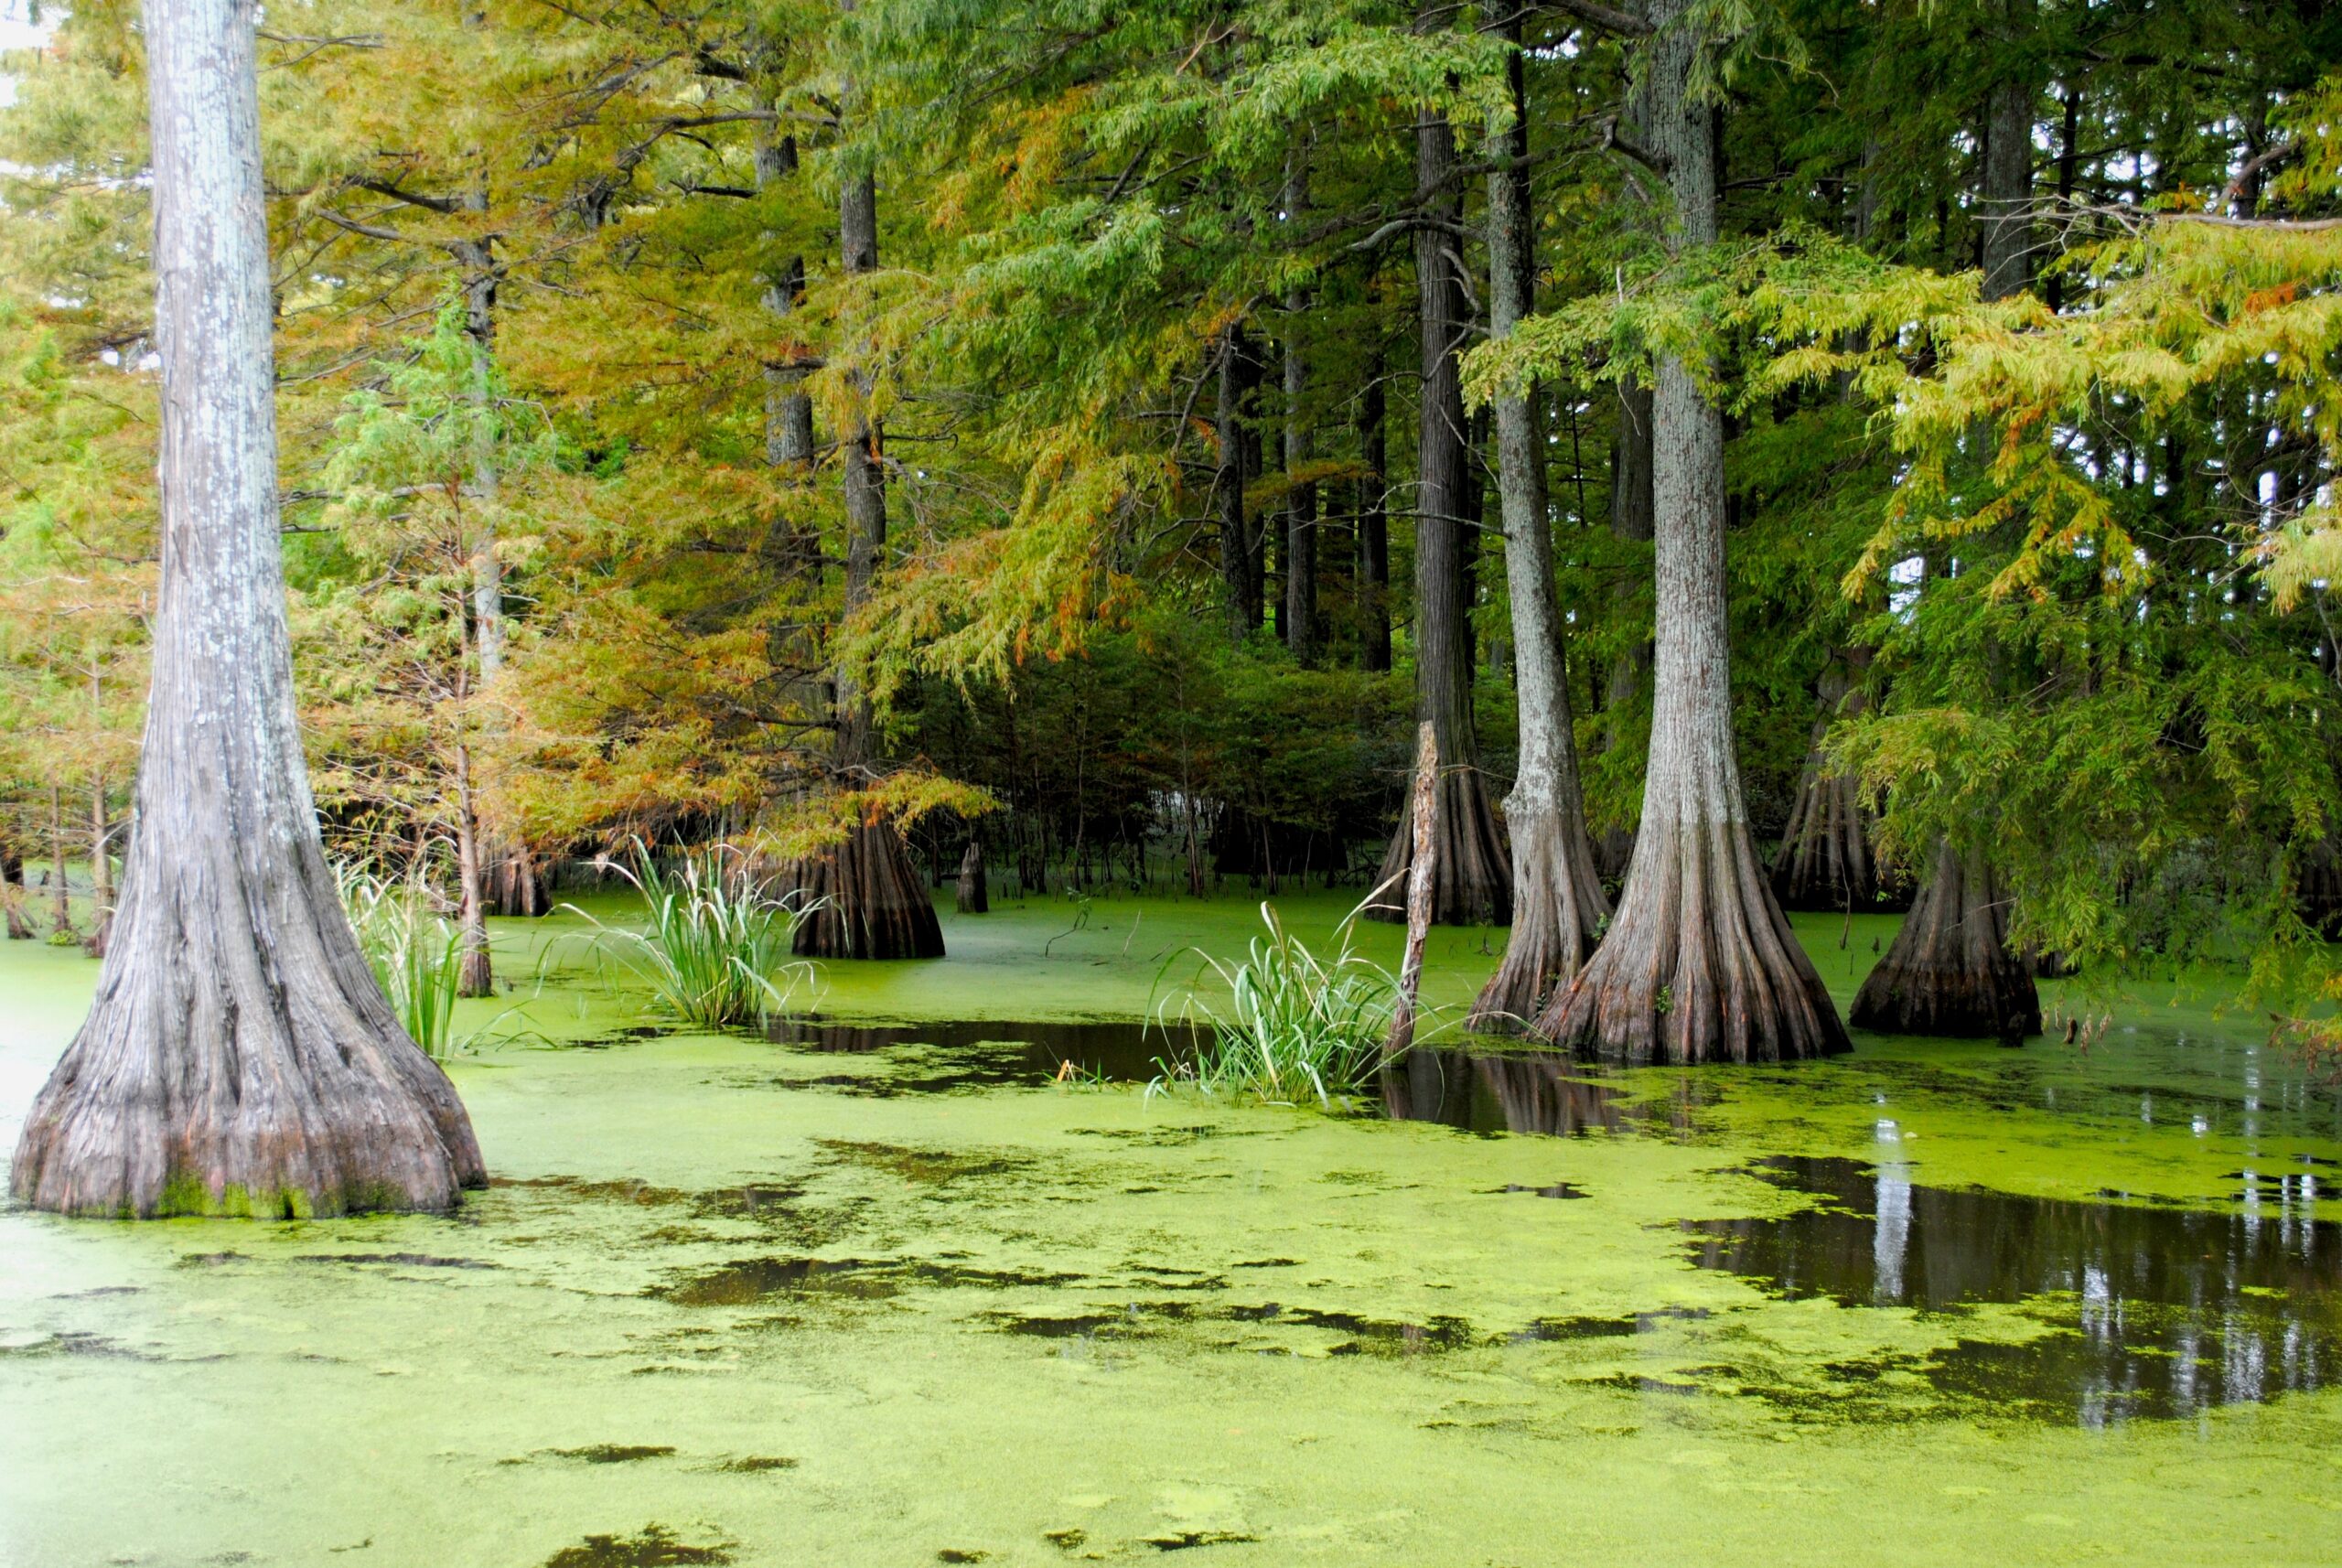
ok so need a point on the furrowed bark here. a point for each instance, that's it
(1825, 860)
(1698, 964)
(239, 1058)
(1558, 907)
(1474, 877)
(1950, 971)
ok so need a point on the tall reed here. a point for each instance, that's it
(1296, 1023)
(715, 949)
(415, 951)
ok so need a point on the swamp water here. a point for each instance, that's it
(880, 1289)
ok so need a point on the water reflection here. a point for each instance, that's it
(2153, 1311)
(1517, 1092)
(991, 1054)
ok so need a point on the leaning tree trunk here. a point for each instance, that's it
(868, 898)
(1474, 878)
(1698, 964)
(239, 1058)
(1950, 971)
(1825, 860)
(1558, 908)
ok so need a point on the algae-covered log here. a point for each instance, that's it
(239, 1058)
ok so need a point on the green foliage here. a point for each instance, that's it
(714, 950)
(1296, 1023)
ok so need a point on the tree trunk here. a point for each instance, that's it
(11, 892)
(1422, 820)
(1301, 500)
(976, 898)
(101, 873)
(61, 927)
(1373, 526)
(1238, 585)
(1558, 908)
(1631, 521)
(1825, 860)
(1474, 880)
(239, 1058)
(1700, 964)
(869, 901)
(1950, 970)
(2007, 216)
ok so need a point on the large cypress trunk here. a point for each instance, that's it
(1825, 860)
(1474, 880)
(1950, 970)
(870, 901)
(1558, 908)
(1698, 964)
(239, 1058)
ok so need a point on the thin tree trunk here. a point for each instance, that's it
(1236, 585)
(1474, 882)
(62, 928)
(1301, 499)
(1558, 908)
(1698, 964)
(868, 900)
(101, 873)
(1632, 522)
(1421, 821)
(239, 1056)
(1373, 524)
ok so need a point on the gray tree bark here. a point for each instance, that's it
(1632, 522)
(1558, 908)
(1473, 882)
(1700, 964)
(239, 1058)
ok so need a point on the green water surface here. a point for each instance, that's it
(733, 1301)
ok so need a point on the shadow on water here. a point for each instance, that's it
(2151, 1311)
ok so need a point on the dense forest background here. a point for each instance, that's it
(755, 421)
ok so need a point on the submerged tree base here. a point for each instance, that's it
(1951, 971)
(1471, 873)
(865, 898)
(1699, 965)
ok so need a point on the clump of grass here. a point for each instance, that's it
(1297, 1024)
(415, 951)
(716, 949)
